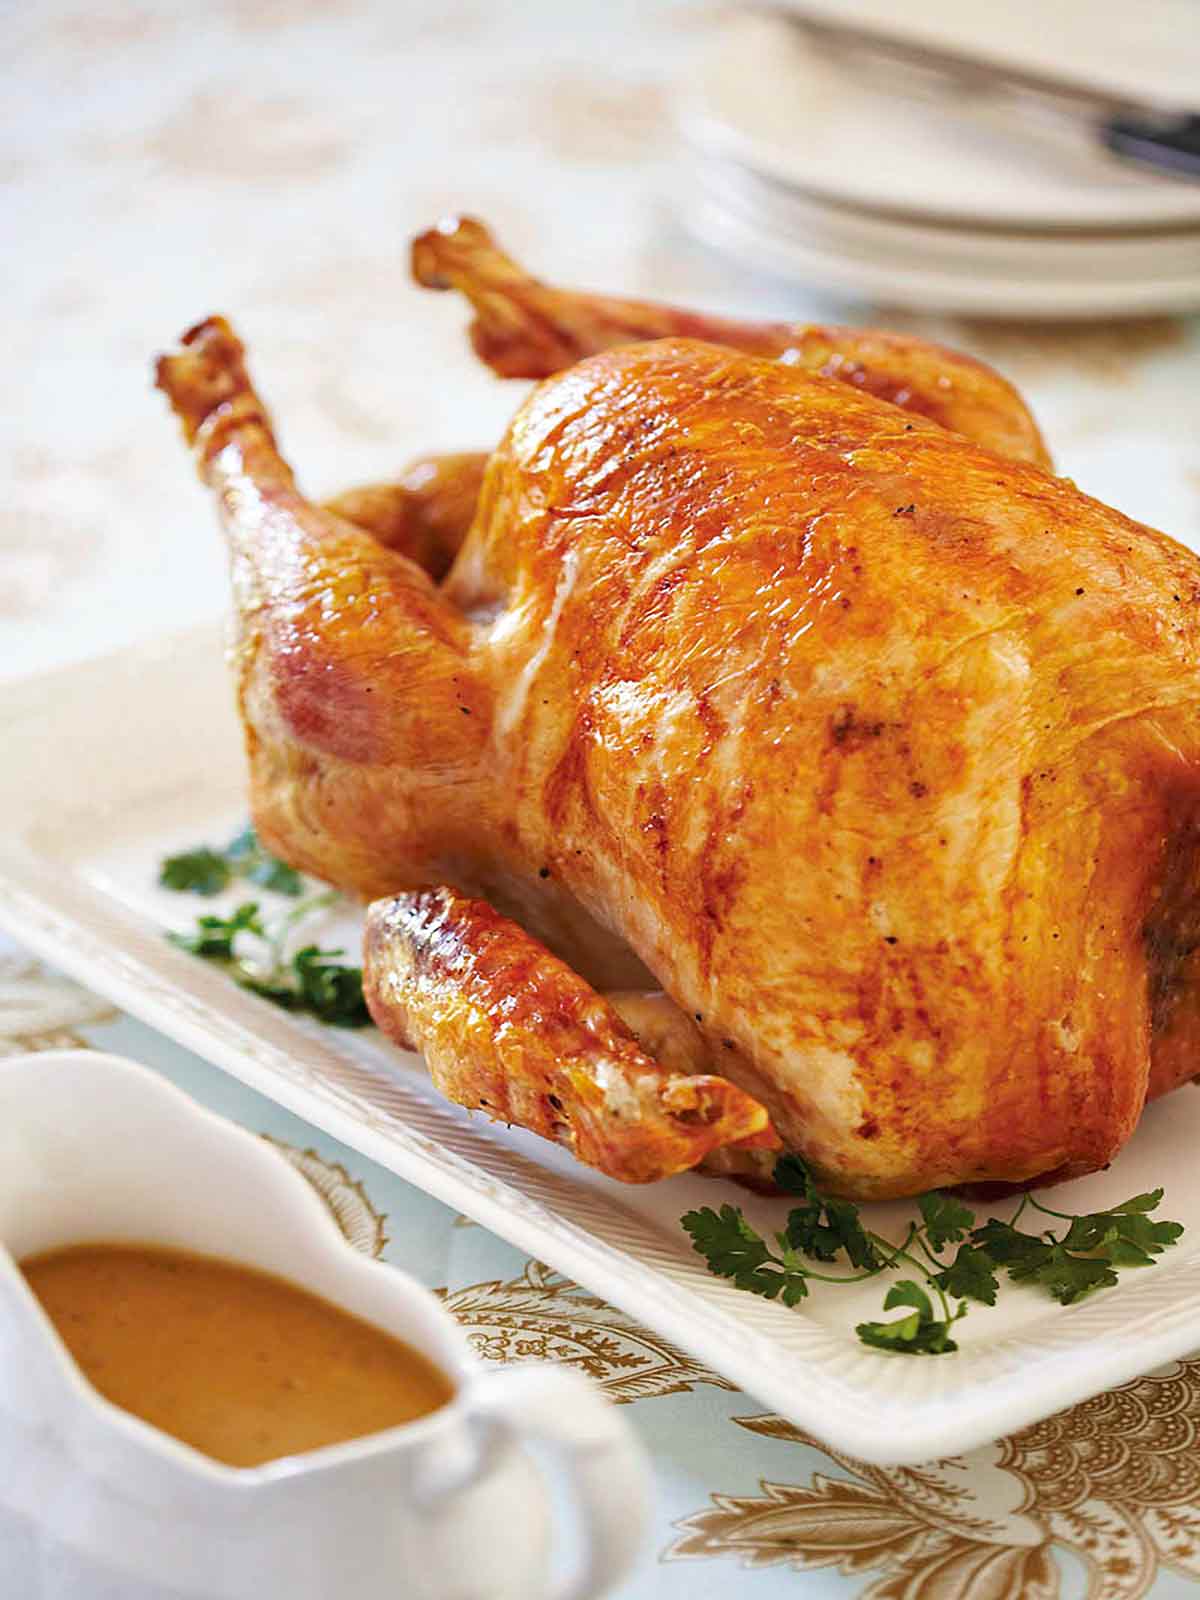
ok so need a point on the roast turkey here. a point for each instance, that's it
(762, 748)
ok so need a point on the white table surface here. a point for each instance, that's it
(270, 158)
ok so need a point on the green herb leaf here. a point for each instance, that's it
(908, 1293)
(249, 860)
(791, 1174)
(1007, 1245)
(843, 1219)
(213, 937)
(733, 1249)
(920, 1333)
(1102, 1229)
(1139, 1202)
(823, 1227)
(1067, 1277)
(970, 1276)
(278, 993)
(200, 871)
(946, 1219)
(207, 871)
(330, 989)
(898, 1334)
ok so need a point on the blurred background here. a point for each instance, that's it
(271, 159)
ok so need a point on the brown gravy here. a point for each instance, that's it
(242, 1365)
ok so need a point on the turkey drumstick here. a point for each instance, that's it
(353, 673)
(524, 328)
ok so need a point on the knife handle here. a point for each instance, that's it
(1168, 144)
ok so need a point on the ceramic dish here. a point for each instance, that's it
(760, 95)
(95, 1501)
(833, 256)
(110, 765)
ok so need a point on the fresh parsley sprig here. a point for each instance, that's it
(920, 1333)
(213, 936)
(314, 980)
(311, 979)
(1087, 1257)
(1091, 1252)
(208, 872)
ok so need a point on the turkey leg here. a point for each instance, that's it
(366, 723)
(524, 328)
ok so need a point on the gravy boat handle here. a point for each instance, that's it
(606, 1472)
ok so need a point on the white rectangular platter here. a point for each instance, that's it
(108, 766)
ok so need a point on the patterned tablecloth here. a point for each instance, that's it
(268, 158)
(1101, 1501)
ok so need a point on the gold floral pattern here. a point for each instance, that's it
(1114, 1482)
(1111, 1485)
(362, 1225)
(542, 1316)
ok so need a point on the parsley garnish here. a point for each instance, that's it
(213, 936)
(920, 1333)
(315, 981)
(207, 871)
(310, 980)
(734, 1250)
(820, 1226)
(970, 1276)
(1067, 1266)
(249, 860)
(946, 1219)
(201, 871)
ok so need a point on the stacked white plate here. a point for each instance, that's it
(818, 167)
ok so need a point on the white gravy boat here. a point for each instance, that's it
(97, 1505)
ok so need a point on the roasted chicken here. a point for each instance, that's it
(769, 668)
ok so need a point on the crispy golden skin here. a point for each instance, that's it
(508, 1029)
(875, 747)
(524, 328)
(873, 744)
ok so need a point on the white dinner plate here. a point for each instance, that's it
(761, 95)
(108, 766)
(1119, 257)
(967, 275)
